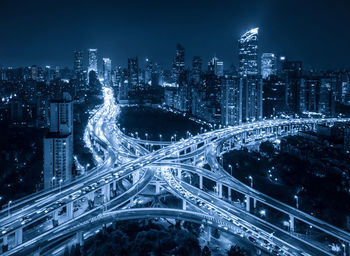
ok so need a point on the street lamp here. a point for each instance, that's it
(8, 207)
(175, 136)
(146, 134)
(251, 181)
(137, 135)
(160, 137)
(230, 166)
(297, 201)
(53, 180)
(61, 185)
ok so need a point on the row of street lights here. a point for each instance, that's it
(60, 182)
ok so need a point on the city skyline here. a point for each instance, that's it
(159, 28)
(130, 131)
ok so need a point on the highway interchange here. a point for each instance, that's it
(126, 167)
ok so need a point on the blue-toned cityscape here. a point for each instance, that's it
(194, 157)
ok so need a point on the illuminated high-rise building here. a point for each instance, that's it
(178, 63)
(92, 60)
(58, 143)
(148, 72)
(78, 63)
(107, 71)
(251, 98)
(268, 65)
(78, 68)
(133, 73)
(248, 53)
(215, 66)
(231, 101)
(196, 69)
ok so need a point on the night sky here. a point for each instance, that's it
(47, 32)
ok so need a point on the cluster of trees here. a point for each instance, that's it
(146, 238)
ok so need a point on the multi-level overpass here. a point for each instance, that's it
(126, 168)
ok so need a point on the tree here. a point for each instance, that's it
(216, 233)
(267, 147)
(236, 251)
(206, 251)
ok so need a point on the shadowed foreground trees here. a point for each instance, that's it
(140, 238)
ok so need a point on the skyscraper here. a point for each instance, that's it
(178, 63)
(78, 67)
(268, 65)
(58, 143)
(215, 66)
(231, 101)
(248, 53)
(196, 69)
(92, 59)
(251, 82)
(148, 72)
(251, 86)
(133, 73)
(107, 71)
(292, 71)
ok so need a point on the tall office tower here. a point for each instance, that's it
(148, 72)
(119, 76)
(133, 73)
(292, 71)
(34, 72)
(156, 76)
(196, 69)
(231, 101)
(248, 53)
(347, 137)
(326, 97)
(251, 98)
(216, 67)
(58, 143)
(107, 71)
(268, 65)
(92, 61)
(61, 115)
(178, 64)
(48, 74)
(78, 67)
(274, 97)
(345, 89)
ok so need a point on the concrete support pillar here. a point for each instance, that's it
(209, 234)
(347, 249)
(157, 187)
(5, 245)
(229, 195)
(200, 181)
(254, 203)
(183, 204)
(107, 192)
(179, 174)
(114, 188)
(219, 188)
(291, 223)
(19, 236)
(36, 253)
(135, 176)
(69, 210)
(55, 218)
(80, 238)
(247, 198)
